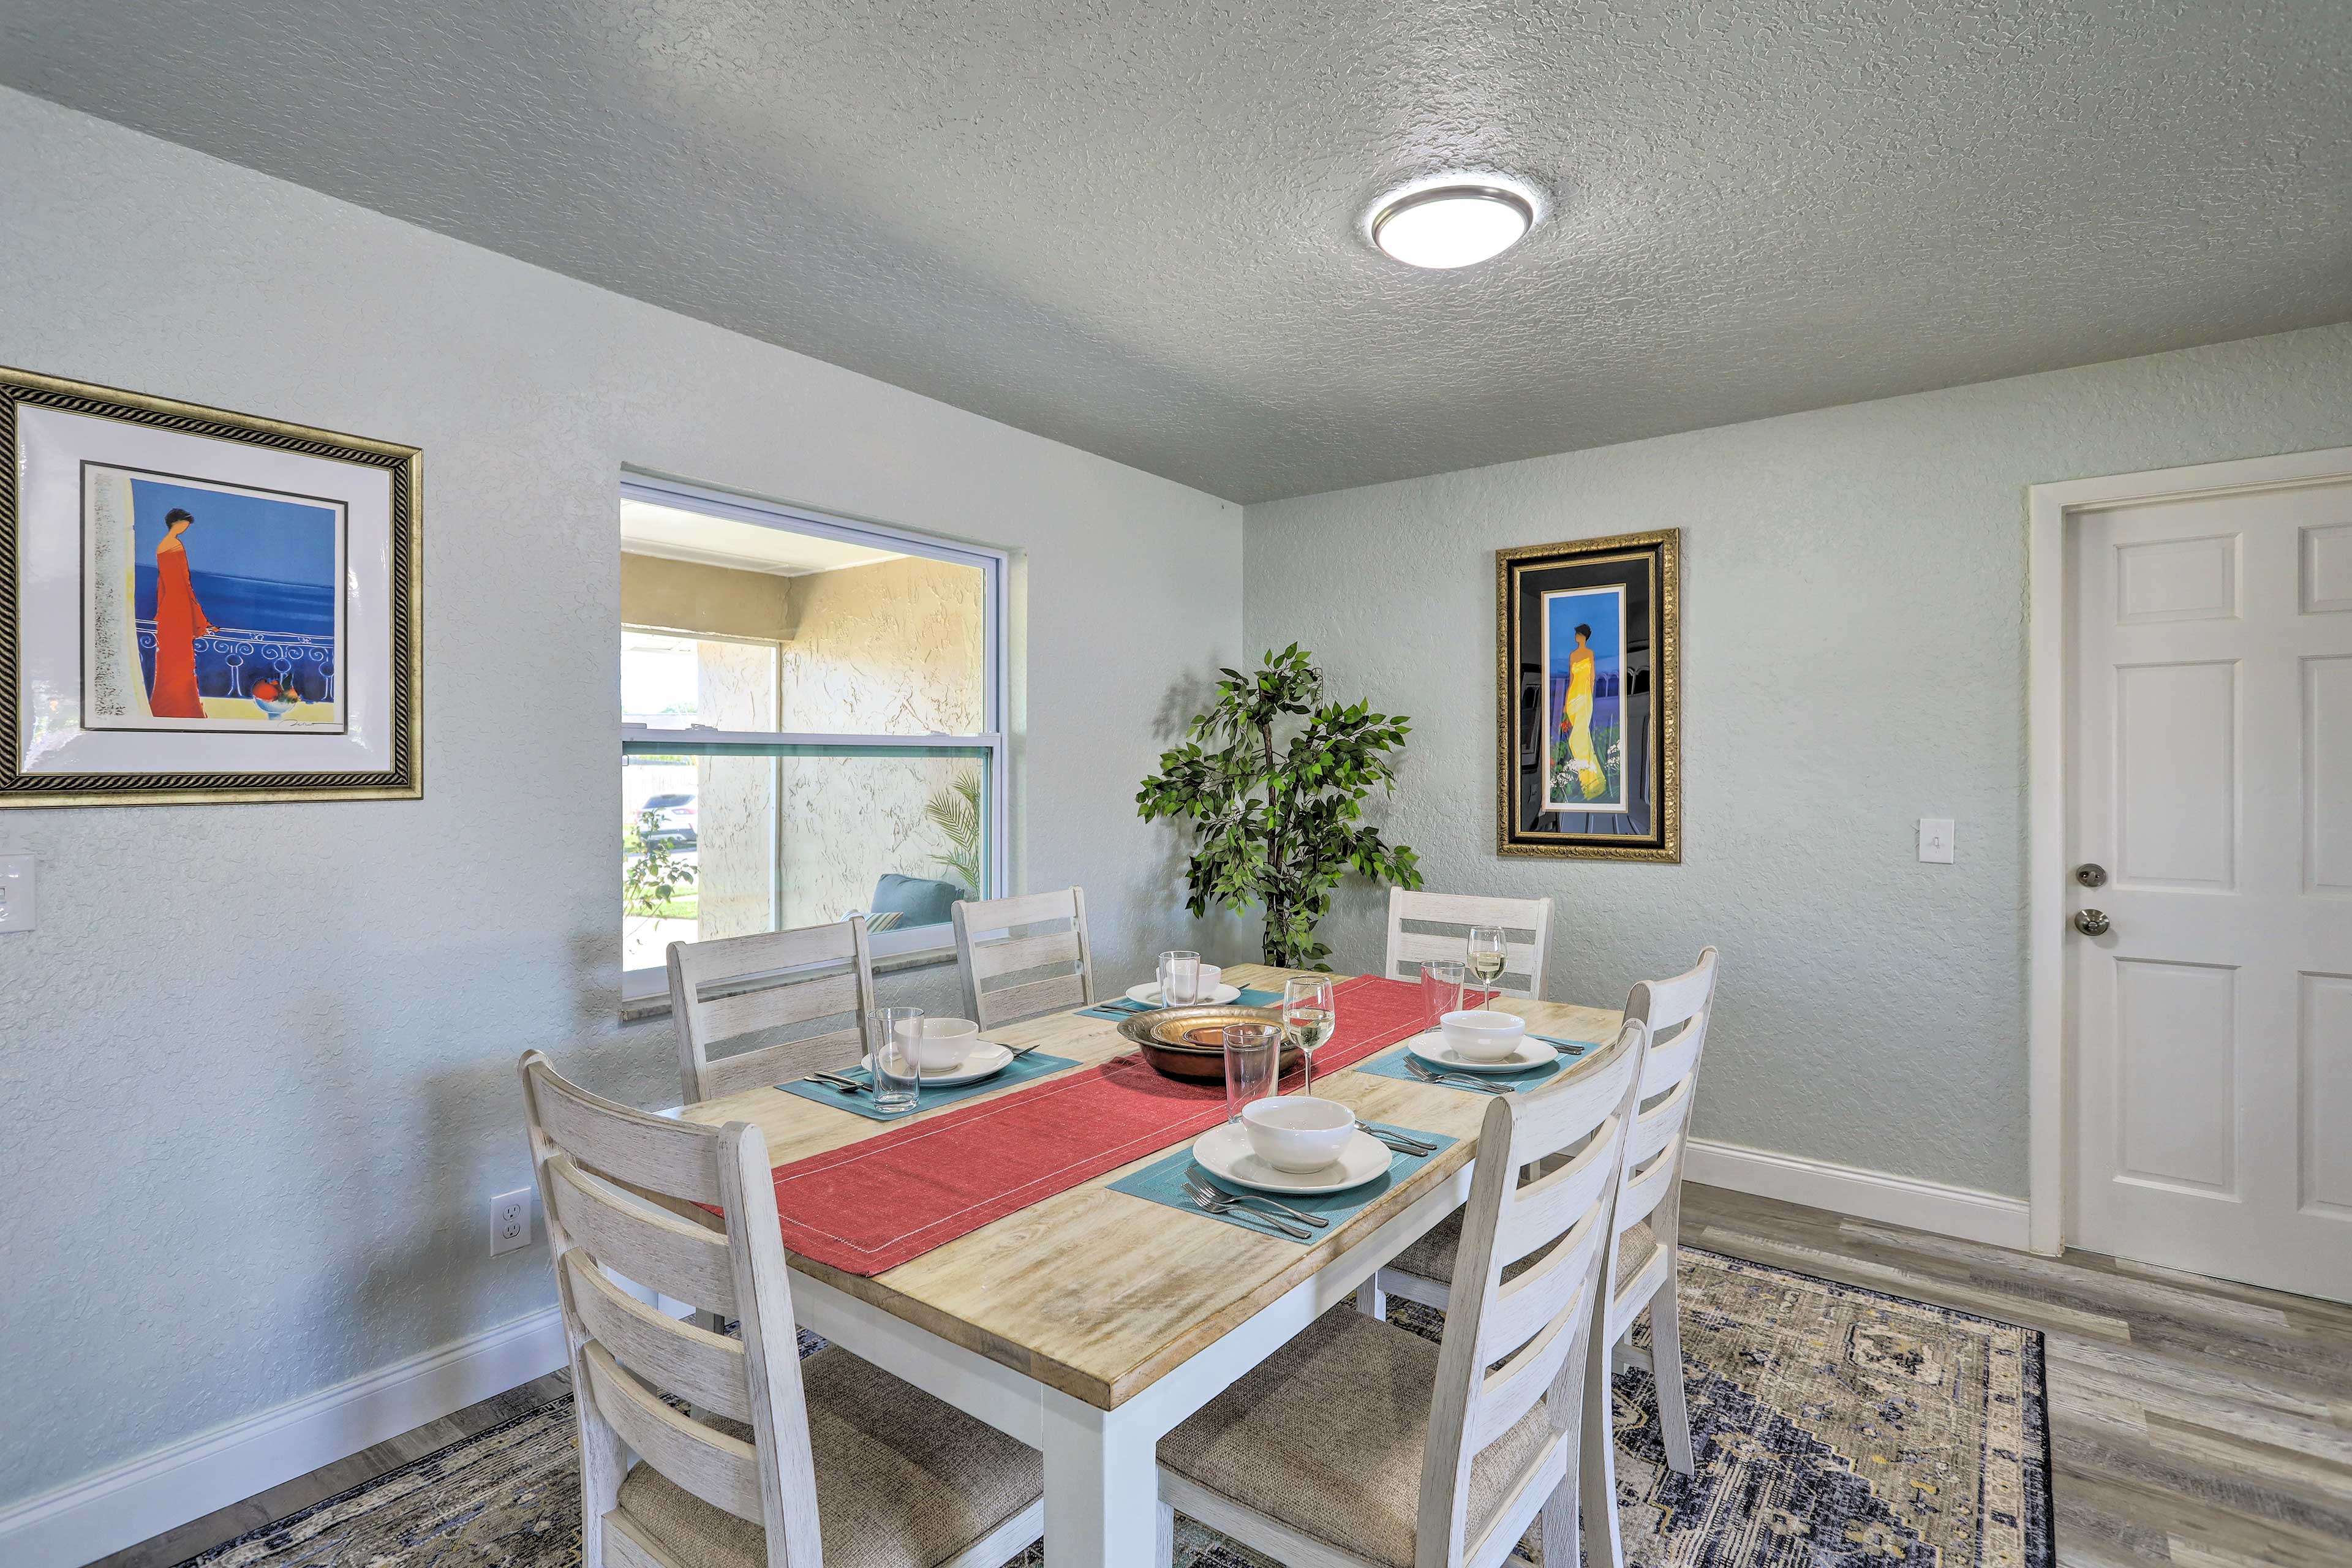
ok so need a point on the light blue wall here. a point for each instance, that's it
(256, 1066)
(1854, 658)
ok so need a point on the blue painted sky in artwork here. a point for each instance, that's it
(1597, 608)
(283, 542)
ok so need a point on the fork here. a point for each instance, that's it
(1208, 1204)
(1208, 1188)
(1456, 1079)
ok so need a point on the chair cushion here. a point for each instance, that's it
(916, 901)
(903, 1481)
(1325, 1436)
(1431, 1255)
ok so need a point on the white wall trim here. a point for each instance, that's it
(121, 1507)
(1932, 1206)
(2048, 508)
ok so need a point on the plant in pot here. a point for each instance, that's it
(1273, 780)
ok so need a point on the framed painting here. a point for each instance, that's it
(197, 606)
(1589, 698)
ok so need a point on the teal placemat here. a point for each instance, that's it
(1123, 1007)
(1162, 1182)
(1392, 1065)
(1115, 1011)
(1036, 1064)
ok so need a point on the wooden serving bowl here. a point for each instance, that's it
(1189, 1042)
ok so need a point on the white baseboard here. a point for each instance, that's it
(103, 1513)
(1962, 1211)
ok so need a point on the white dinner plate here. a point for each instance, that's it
(1224, 1152)
(986, 1060)
(1149, 995)
(1431, 1048)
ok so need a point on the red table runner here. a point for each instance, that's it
(873, 1205)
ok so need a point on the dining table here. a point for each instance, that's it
(1092, 1322)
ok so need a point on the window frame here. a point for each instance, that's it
(640, 984)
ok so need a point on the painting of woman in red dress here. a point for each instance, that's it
(180, 621)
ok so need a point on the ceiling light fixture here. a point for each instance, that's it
(1457, 224)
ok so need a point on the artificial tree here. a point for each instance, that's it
(1274, 780)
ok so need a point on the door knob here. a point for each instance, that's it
(2092, 922)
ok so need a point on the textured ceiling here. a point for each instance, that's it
(1133, 226)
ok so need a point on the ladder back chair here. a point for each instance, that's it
(732, 967)
(1645, 1247)
(1427, 926)
(1000, 983)
(782, 1463)
(1361, 1446)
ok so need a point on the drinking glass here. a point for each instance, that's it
(1488, 954)
(1250, 1052)
(1180, 979)
(1441, 989)
(1308, 1016)
(897, 1074)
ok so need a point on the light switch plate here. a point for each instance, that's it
(15, 892)
(1935, 840)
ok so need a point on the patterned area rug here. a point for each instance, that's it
(1835, 1428)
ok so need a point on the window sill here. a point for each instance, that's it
(637, 1010)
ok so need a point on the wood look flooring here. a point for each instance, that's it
(2194, 1423)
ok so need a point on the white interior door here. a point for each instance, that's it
(2210, 714)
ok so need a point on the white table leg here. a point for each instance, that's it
(1102, 1486)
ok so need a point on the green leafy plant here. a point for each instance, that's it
(1274, 780)
(651, 882)
(955, 811)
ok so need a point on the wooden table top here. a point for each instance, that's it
(1090, 1291)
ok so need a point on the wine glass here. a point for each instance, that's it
(1308, 1016)
(1488, 953)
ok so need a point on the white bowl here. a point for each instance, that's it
(1211, 978)
(945, 1042)
(1482, 1035)
(1296, 1132)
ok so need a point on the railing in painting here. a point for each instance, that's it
(300, 659)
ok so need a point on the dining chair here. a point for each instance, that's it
(1360, 1443)
(740, 986)
(1645, 1247)
(1426, 926)
(1000, 984)
(783, 1463)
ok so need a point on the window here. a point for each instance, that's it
(811, 726)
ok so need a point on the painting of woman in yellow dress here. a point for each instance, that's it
(1584, 657)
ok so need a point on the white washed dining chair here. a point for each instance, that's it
(740, 986)
(1645, 1251)
(1426, 926)
(1359, 1445)
(784, 1463)
(1002, 981)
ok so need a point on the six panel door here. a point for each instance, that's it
(2209, 691)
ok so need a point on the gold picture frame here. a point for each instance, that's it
(1588, 698)
(90, 637)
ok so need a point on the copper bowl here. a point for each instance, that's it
(1189, 1042)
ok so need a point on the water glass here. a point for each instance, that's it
(1250, 1052)
(1441, 989)
(1308, 1016)
(1489, 951)
(897, 1073)
(1180, 979)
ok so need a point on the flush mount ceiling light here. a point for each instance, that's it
(1457, 224)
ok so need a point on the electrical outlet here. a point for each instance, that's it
(511, 1221)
